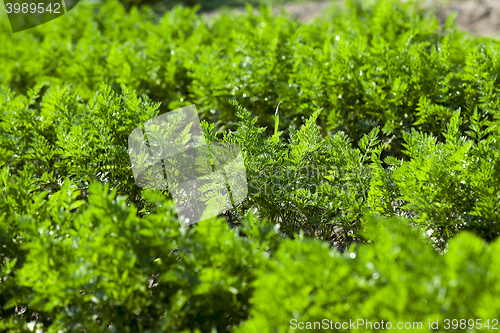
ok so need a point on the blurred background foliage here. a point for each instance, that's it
(205, 5)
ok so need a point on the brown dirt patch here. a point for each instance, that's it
(480, 17)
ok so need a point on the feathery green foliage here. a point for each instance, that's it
(371, 147)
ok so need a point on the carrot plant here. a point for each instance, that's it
(371, 148)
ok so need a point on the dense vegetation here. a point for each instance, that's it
(374, 186)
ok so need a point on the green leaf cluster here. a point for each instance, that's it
(371, 144)
(374, 64)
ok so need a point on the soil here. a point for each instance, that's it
(479, 17)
